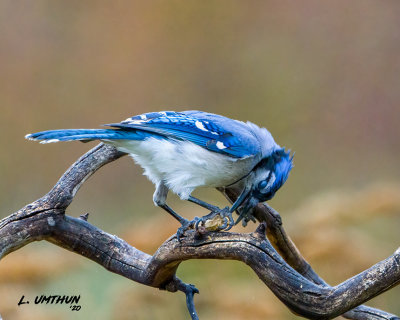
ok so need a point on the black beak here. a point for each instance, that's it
(246, 210)
(246, 202)
(241, 199)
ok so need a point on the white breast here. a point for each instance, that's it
(183, 165)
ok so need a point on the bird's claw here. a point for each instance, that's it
(245, 218)
(230, 222)
(224, 214)
(195, 224)
(186, 225)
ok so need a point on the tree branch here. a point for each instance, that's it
(288, 250)
(286, 273)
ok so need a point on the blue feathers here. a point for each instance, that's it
(213, 132)
(86, 135)
(282, 166)
(210, 131)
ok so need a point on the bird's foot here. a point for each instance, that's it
(217, 220)
(186, 225)
(214, 221)
(245, 217)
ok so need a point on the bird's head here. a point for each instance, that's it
(270, 174)
(264, 180)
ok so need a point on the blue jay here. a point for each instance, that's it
(181, 151)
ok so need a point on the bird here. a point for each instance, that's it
(182, 151)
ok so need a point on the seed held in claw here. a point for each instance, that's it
(215, 223)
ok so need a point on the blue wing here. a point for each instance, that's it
(213, 132)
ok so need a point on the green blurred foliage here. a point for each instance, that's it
(323, 77)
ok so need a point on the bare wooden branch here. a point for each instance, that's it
(288, 250)
(286, 273)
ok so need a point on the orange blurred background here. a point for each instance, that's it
(323, 77)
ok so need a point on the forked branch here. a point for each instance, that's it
(286, 273)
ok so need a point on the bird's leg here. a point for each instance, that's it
(223, 213)
(159, 199)
(204, 204)
(167, 208)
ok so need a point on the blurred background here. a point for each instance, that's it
(323, 77)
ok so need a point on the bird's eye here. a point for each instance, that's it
(262, 184)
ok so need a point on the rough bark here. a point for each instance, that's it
(275, 259)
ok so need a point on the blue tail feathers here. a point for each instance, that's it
(50, 136)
